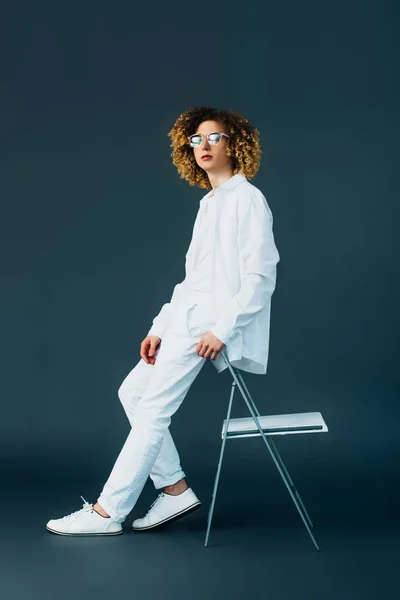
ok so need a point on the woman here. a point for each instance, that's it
(224, 300)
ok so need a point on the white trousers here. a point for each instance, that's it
(150, 395)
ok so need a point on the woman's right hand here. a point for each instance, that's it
(148, 348)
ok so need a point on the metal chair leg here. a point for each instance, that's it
(270, 448)
(291, 483)
(214, 494)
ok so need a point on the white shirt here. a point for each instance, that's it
(242, 273)
(200, 277)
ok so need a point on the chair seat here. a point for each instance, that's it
(306, 422)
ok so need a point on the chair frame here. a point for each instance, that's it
(239, 382)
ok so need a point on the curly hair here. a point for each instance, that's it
(243, 145)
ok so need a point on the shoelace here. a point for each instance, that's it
(160, 495)
(86, 506)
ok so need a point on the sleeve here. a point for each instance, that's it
(258, 257)
(162, 320)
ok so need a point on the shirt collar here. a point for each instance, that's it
(229, 184)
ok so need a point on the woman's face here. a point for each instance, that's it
(219, 161)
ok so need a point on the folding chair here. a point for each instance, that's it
(266, 426)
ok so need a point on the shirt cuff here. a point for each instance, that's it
(159, 332)
(223, 335)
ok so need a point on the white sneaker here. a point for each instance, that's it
(166, 508)
(85, 521)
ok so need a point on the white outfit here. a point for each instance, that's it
(243, 273)
(230, 277)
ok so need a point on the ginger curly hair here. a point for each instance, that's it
(243, 145)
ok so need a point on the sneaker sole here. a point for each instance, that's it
(65, 533)
(170, 519)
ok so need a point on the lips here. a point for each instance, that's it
(206, 156)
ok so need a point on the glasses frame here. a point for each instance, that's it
(203, 135)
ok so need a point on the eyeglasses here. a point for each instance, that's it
(213, 138)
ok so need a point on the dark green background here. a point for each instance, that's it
(95, 223)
